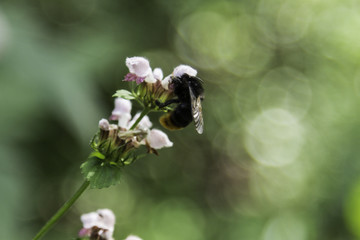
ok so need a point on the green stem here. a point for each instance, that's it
(143, 113)
(62, 210)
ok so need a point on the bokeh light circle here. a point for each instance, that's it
(197, 42)
(283, 21)
(212, 40)
(285, 88)
(276, 187)
(274, 137)
(285, 227)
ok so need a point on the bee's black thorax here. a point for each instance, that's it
(181, 86)
(181, 89)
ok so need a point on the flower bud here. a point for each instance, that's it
(158, 74)
(158, 139)
(104, 124)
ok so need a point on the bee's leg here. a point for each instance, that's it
(167, 103)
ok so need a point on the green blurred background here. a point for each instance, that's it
(279, 159)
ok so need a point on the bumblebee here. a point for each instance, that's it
(189, 92)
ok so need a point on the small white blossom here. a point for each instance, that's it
(104, 124)
(122, 106)
(158, 74)
(140, 70)
(144, 123)
(121, 112)
(103, 219)
(181, 69)
(158, 139)
(165, 82)
(133, 237)
(139, 66)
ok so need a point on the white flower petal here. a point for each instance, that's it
(89, 220)
(133, 237)
(158, 74)
(104, 124)
(123, 120)
(107, 235)
(102, 218)
(122, 106)
(139, 66)
(165, 82)
(150, 78)
(158, 139)
(107, 218)
(181, 69)
(144, 124)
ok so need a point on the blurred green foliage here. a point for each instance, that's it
(279, 158)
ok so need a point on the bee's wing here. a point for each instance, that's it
(197, 112)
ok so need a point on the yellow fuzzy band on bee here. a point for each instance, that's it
(165, 121)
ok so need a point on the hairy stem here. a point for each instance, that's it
(62, 210)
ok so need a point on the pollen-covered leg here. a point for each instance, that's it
(167, 103)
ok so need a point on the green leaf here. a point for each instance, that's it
(100, 174)
(124, 94)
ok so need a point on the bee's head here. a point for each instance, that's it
(178, 82)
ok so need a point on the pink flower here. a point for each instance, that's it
(140, 70)
(158, 139)
(121, 112)
(139, 66)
